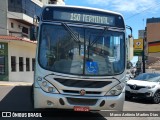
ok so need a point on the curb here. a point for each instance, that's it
(15, 84)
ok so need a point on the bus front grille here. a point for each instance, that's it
(82, 83)
(81, 101)
(78, 92)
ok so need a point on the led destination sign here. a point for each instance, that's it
(83, 17)
(80, 15)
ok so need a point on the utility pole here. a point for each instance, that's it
(143, 58)
(143, 52)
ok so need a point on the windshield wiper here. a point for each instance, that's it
(96, 39)
(68, 29)
(98, 36)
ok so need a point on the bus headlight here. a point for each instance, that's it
(46, 86)
(117, 90)
(44, 83)
(150, 87)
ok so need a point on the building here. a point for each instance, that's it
(17, 44)
(153, 42)
(153, 36)
(141, 34)
(17, 58)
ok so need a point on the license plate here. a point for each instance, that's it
(79, 108)
(133, 91)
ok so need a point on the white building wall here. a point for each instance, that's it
(38, 2)
(58, 2)
(44, 1)
(17, 28)
(25, 50)
(3, 17)
(20, 16)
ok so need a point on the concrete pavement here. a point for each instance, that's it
(8, 83)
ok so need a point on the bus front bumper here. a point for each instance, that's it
(60, 101)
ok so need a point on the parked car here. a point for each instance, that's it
(145, 85)
(128, 76)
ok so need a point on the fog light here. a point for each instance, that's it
(44, 83)
(102, 103)
(61, 101)
(149, 94)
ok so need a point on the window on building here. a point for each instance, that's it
(1, 47)
(33, 64)
(27, 64)
(25, 30)
(13, 63)
(12, 25)
(20, 63)
(27, 7)
(2, 65)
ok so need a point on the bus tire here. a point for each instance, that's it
(32, 96)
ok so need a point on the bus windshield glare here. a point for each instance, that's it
(81, 50)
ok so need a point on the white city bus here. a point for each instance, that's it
(80, 60)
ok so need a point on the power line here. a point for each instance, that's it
(144, 10)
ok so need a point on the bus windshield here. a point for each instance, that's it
(81, 50)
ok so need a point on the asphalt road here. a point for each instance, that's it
(18, 98)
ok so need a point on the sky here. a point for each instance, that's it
(135, 12)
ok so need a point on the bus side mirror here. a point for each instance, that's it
(36, 20)
(34, 33)
(34, 29)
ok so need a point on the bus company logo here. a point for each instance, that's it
(134, 86)
(82, 92)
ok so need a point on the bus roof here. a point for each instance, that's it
(81, 7)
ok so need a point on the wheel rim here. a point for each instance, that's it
(157, 97)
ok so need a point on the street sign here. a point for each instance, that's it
(138, 44)
(138, 47)
(137, 52)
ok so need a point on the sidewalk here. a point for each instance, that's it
(7, 83)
